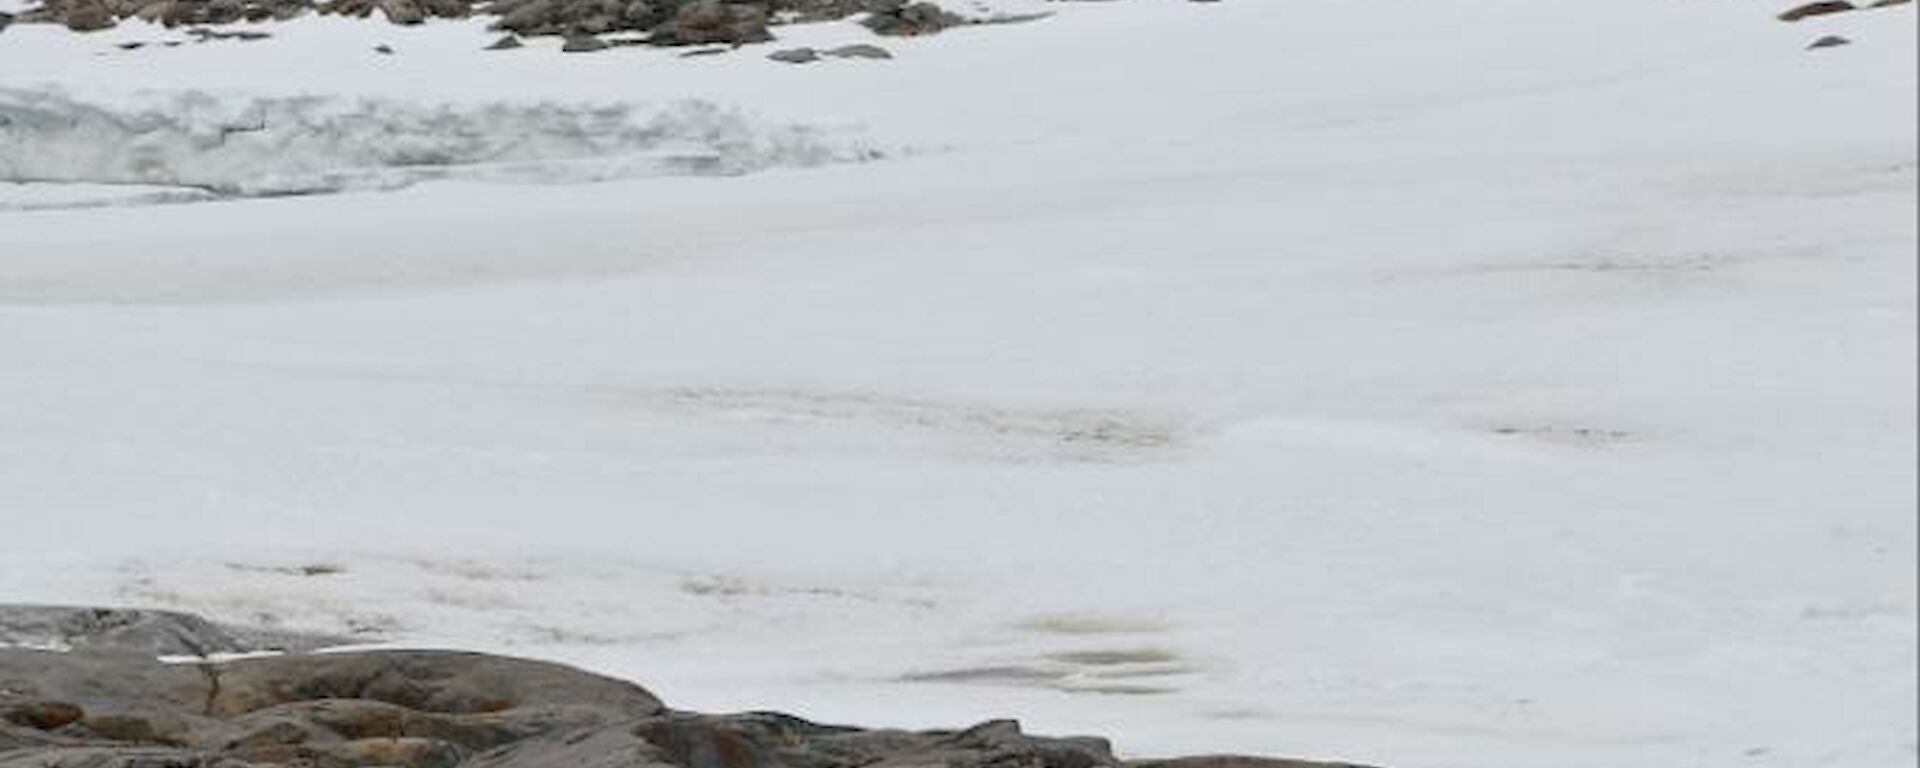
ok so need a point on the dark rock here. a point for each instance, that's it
(657, 22)
(528, 17)
(428, 681)
(1819, 8)
(506, 43)
(88, 17)
(1828, 41)
(705, 22)
(403, 12)
(584, 44)
(439, 709)
(902, 19)
(770, 740)
(100, 14)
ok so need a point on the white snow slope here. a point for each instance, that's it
(1481, 383)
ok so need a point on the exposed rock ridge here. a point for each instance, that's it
(111, 704)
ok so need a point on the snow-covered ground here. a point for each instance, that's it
(1483, 383)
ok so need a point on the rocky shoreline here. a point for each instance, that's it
(88, 688)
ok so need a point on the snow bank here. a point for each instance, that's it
(256, 146)
(991, 11)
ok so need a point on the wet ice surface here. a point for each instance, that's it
(1503, 383)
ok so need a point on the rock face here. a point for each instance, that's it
(113, 705)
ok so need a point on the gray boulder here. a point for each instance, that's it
(795, 56)
(860, 51)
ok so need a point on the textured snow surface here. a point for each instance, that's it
(1481, 383)
(306, 145)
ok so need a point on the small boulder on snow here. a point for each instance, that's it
(1819, 8)
(795, 56)
(860, 51)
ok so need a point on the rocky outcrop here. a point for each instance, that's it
(651, 22)
(438, 709)
(89, 15)
(657, 22)
(111, 704)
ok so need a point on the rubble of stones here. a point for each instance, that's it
(650, 22)
(106, 701)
